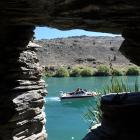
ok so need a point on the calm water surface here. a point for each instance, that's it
(65, 118)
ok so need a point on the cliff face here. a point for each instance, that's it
(82, 50)
(22, 90)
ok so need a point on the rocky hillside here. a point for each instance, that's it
(81, 50)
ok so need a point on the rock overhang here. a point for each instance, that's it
(109, 16)
(112, 16)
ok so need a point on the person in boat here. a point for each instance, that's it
(82, 91)
(85, 90)
(77, 91)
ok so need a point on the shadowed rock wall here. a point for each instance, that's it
(22, 89)
(120, 118)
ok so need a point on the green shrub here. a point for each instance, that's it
(133, 70)
(116, 72)
(87, 71)
(102, 70)
(48, 74)
(62, 72)
(75, 72)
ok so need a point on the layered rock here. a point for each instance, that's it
(22, 89)
(130, 46)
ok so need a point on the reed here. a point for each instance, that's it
(94, 113)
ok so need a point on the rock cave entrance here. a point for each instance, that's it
(22, 90)
(95, 134)
(58, 40)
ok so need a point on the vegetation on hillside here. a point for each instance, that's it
(86, 72)
(133, 70)
(75, 72)
(61, 72)
(103, 70)
(117, 72)
(100, 70)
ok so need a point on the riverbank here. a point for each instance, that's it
(100, 70)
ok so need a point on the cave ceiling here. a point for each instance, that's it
(112, 16)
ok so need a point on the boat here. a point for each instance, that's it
(78, 93)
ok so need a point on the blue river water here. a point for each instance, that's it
(65, 119)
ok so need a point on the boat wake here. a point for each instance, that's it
(53, 99)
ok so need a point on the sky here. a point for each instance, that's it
(51, 33)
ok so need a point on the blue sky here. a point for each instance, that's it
(50, 33)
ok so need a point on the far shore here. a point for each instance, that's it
(87, 71)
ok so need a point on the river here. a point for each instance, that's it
(65, 119)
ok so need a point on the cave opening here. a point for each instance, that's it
(57, 84)
(22, 92)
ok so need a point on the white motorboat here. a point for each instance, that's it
(79, 93)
